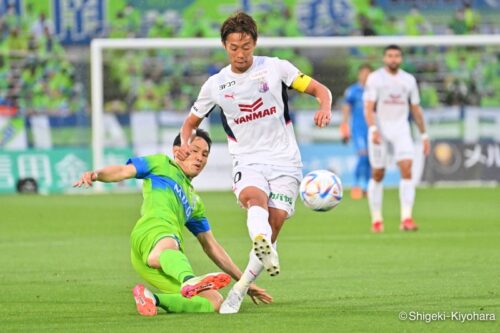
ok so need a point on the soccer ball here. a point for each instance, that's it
(321, 190)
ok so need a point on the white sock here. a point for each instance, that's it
(406, 197)
(258, 222)
(375, 196)
(252, 271)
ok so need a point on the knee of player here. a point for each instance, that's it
(405, 169)
(154, 261)
(378, 174)
(253, 196)
(406, 174)
(166, 243)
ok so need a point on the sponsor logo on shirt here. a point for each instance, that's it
(254, 112)
(184, 200)
(231, 95)
(251, 107)
(227, 85)
(395, 99)
(258, 75)
(263, 86)
(397, 95)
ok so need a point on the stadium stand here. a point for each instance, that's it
(39, 77)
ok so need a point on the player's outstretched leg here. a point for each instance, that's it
(144, 300)
(236, 295)
(147, 302)
(211, 281)
(267, 254)
(176, 303)
(261, 233)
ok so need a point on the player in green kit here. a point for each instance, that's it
(157, 244)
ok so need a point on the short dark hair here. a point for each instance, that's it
(199, 132)
(393, 47)
(365, 66)
(239, 23)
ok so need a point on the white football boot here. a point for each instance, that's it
(267, 254)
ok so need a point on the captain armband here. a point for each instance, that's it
(301, 82)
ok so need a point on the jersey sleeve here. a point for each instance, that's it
(370, 93)
(198, 222)
(414, 94)
(144, 165)
(204, 103)
(288, 72)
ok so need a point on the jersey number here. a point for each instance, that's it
(237, 177)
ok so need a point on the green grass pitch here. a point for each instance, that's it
(64, 266)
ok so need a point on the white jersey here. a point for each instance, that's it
(255, 111)
(393, 95)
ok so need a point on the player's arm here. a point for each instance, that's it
(219, 256)
(370, 96)
(188, 129)
(200, 109)
(373, 132)
(418, 116)
(109, 174)
(345, 133)
(370, 113)
(308, 85)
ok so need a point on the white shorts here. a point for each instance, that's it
(281, 184)
(400, 145)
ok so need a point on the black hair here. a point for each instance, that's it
(199, 132)
(393, 47)
(239, 23)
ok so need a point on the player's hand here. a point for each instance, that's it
(426, 146)
(375, 135)
(345, 133)
(87, 179)
(322, 118)
(183, 152)
(259, 294)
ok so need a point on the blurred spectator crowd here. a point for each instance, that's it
(38, 76)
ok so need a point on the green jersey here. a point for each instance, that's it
(168, 194)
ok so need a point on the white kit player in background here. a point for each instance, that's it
(390, 94)
(252, 94)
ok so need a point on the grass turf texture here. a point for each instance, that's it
(65, 266)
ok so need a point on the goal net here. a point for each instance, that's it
(142, 89)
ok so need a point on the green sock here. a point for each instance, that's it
(176, 264)
(176, 303)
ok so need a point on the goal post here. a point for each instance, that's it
(99, 46)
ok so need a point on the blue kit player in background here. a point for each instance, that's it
(353, 127)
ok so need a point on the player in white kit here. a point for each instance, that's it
(252, 93)
(390, 94)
